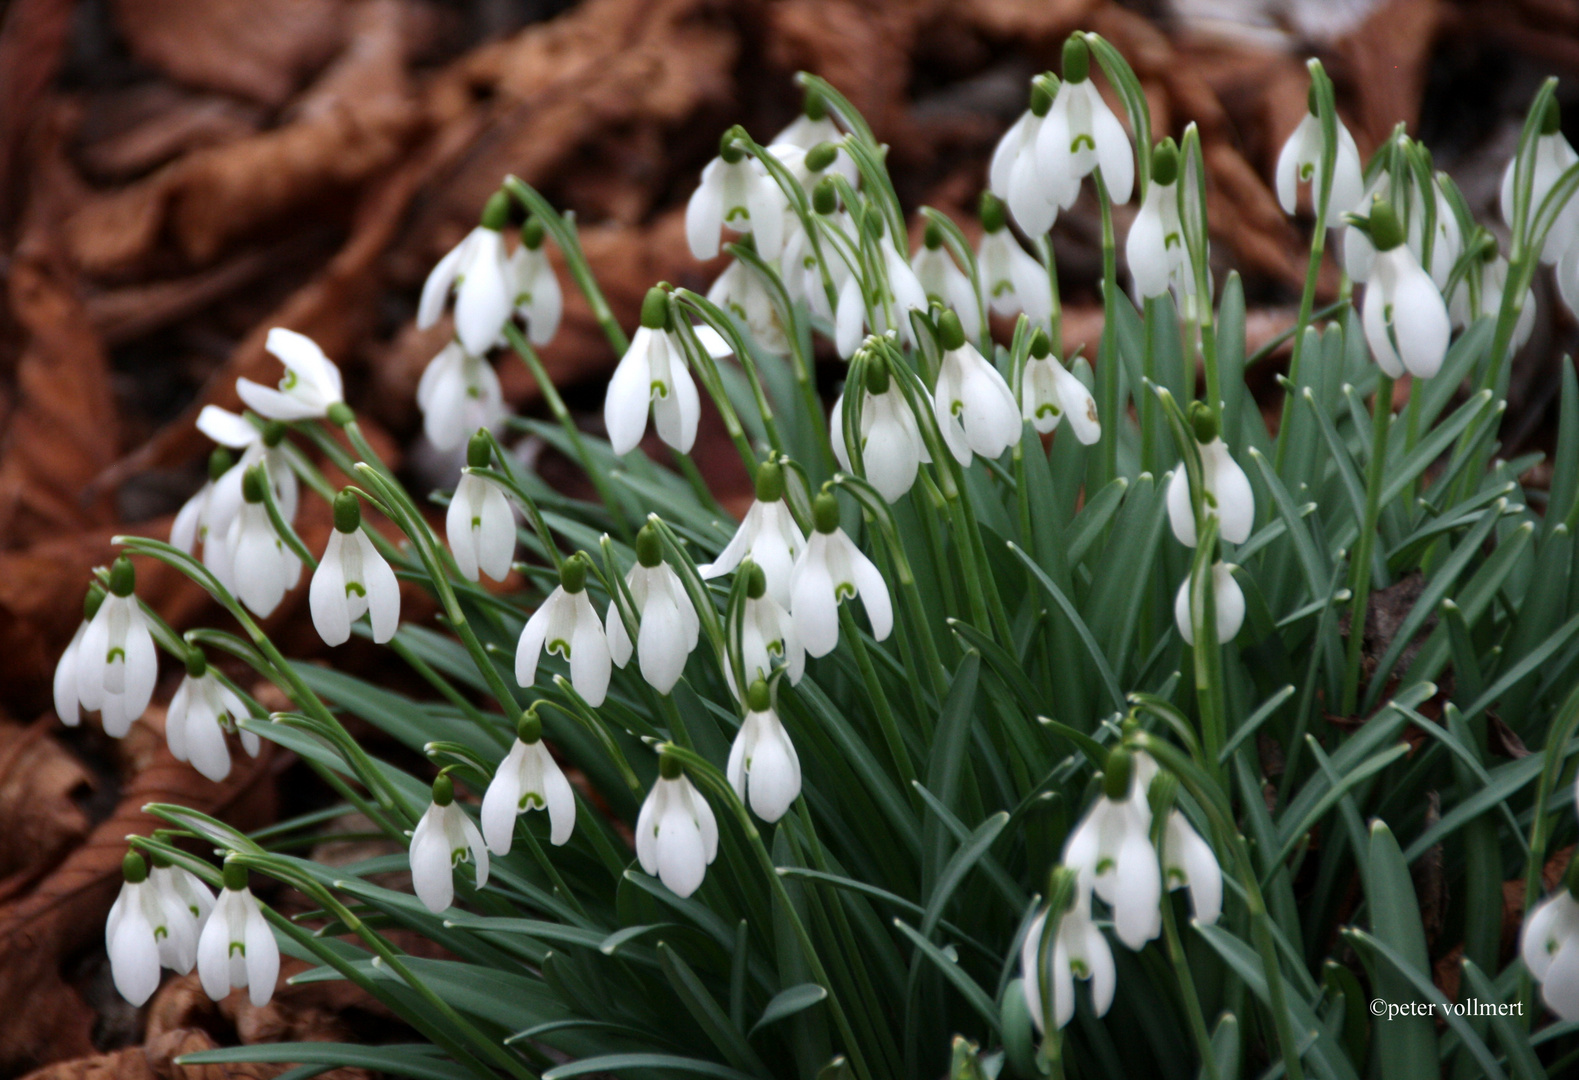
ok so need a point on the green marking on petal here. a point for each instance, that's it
(354, 587)
(532, 797)
(1048, 410)
(660, 389)
(560, 646)
(844, 590)
(237, 947)
(113, 653)
(161, 932)
(1003, 288)
(1074, 144)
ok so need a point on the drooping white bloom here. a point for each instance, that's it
(352, 579)
(1188, 862)
(1016, 177)
(676, 833)
(479, 525)
(976, 411)
(196, 523)
(527, 779)
(652, 372)
(1155, 248)
(763, 767)
(1112, 850)
(1490, 277)
(892, 449)
(1299, 162)
(1358, 253)
(738, 194)
(443, 839)
(1081, 133)
(1011, 280)
(154, 923)
(567, 625)
(829, 571)
(478, 272)
(1078, 950)
(1049, 392)
(1447, 242)
(263, 566)
(668, 628)
(237, 947)
(1553, 156)
(310, 387)
(1229, 497)
(766, 633)
(1227, 598)
(212, 523)
(201, 712)
(1550, 948)
(1406, 322)
(116, 663)
(458, 394)
(943, 281)
(905, 292)
(741, 291)
(535, 289)
(767, 535)
(68, 704)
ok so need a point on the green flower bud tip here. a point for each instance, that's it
(1165, 162)
(532, 233)
(825, 197)
(757, 697)
(340, 414)
(529, 729)
(134, 869)
(649, 546)
(727, 148)
(273, 433)
(814, 106)
(951, 335)
(235, 876)
(1116, 776)
(443, 790)
(756, 582)
(161, 862)
(479, 451)
(220, 462)
(573, 574)
(92, 602)
(655, 309)
(1310, 99)
(1041, 345)
(825, 513)
(994, 215)
(496, 212)
(1386, 233)
(347, 512)
(1552, 118)
(877, 379)
(669, 767)
(821, 156)
(1041, 98)
(253, 483)
(770, 482)
(1077, 59)
(1203, 419)
(196, 663)
(123, 577)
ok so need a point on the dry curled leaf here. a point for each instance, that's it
(38, 778)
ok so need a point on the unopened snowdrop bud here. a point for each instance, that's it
(477, 271)
(566, 625)
(1082, 134)
(766, 633)
(676, 832)
(763, 767)
(528, 779)
(737, 194)
(353, 579)
(1406, 322)
(1049, 392)
(263, 567)
(149, 927)
(767, 534)
(892, 449)
(1299, 162)
(668, 628)
(536, 296)
(1228, 602)
(443, 839)
(652, 372)
(458, 394)
(1155, 248)
(479, 524)
(237, 947)
(944, 282)
(829, 571)
(1112, 850)
(1077, 951)
(1011, 280)
(1553, 156)
(310, 388)
(1550, 946)
(1228, 496)
(116, 663)
(201, 712)
(68, 705)
(975, 408)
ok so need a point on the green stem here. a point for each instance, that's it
(1360, 566)
(1107, 368)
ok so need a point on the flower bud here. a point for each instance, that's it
(123, 577)
(347, 512)
(496, 212)
(92, 602)
(573, 574)
(135, 870)
(253, 484)
(340, 414)
(443, 790)
(532, 233)
(1116, 776)
(235, 875)
(814, 106)
(479, 450)
(1204, 422)
(273, 433)
(649, 547)
(770, 482)
(951, 335)
(1165, 162)
(821, 156)
(655, 310)
(994, 215)
(825, 513)
(1041, 97)
(529, 729)
(825, 197)
(757, 697)
(669, 767)
(1386, 233)
(756, 580)
(727, 148)
(196, 663)
(220, 462)
(933, 236)
(1077, 59)
(1041, 345)
(877, 379)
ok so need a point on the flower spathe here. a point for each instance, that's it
(1550, 948)
(1229, 496)
(237, 948)
(311, 383)
(527, 779)
(1406, 322)
(1299, 162)
(116, 663)
(676, 832)
(976, 411)
(1049, 392)
(767, 535)
(566, 624)
(829, 571)
(1078, 950)
(443, 839)
(763, 767)
(458, 394)
(1228, 601)
(668, 627)
(652, 373)
(202, 710)
(353, 579)
(479, 273)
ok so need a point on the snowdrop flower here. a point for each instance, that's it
(535, 289)
(1489, 275)
(566, 624)
(116, 663)
(1079, 949)
(653, 370)
(1299, 162)
(766, 633)
(191, 526)
(1228, 495)
(1550, 947)
(1111, 848)
(1406, 322)
(478, 272)
(767, 535)
(68, 705)
(735, 193)
(1011, 280)
(741, 291)
(1227, 599)
(479, 524)
(311, 386)
(975, 408)
(1358, 254)
(905, 293)
(829, 571)
(458, 394)
(527, 779)
(1155, 247)
(763, 763)
(668, 625)
(264, 568)
(237, 946)
(892, 449)
(352, 579)
(153, 923)
(676, 833)
(1015, 175)
(1189, 863)
(1049, 392)
(1553, 156)
(943, 281)
(201, 712)
(1081, 133)
(266, 447)
(443, 839)
(811, 127)
(1447, 242)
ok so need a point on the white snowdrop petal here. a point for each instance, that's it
(590, 664)
(431, 877)
(529, 648)
(263, 955)
(561, 800)
(326, 594)
(630, 391)
(495, 531)
(812, 604)
(213, 950)
(500, 803)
